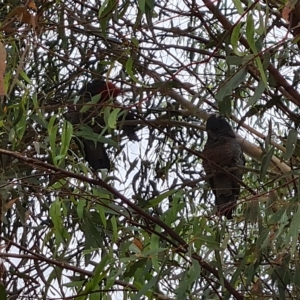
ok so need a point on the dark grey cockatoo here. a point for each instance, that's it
(223, 149)
(95, 153)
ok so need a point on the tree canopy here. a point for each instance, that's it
(147, 228)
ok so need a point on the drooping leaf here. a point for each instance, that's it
(266, 161)
(290, 144)
(231, 83)
(113, 117)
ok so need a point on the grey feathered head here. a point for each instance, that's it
(218, 126)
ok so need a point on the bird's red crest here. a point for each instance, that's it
(108, 90)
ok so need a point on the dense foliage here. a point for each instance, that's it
(147, 229)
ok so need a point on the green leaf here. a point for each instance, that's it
(250, 39)
(250, 273)
(237, 273)
(80, 207)
(66, 137)
(104, 6)
(297, 275)
(39, 119)
(12, 135)
(209, 241)
(99, 295)
(266, 162)
(113, 118)
(266, 59)
(252, 211)
(99, 273)
(282, 275)
(101, 211)
(238, 6)
(129, 69)
(150, 4)
(177, 205)
(154, 245)
(263, 238)
(154, 251)
(131, 269)
(296, 39)
(135, 41)
(142, 5)
(194, 270)
(21, 126)
(56, 217)
(92, 232)
(105, 13)
(257, 93)
(293, 233)
(235, 37)
(261, 71)
(134, 248)
(248, 58)
(3, 294)
(146, 289)
(129, 65)
(53, 276)
(219, 267)
(87, 133)
(261, 30)
(290, 144)
(75, 283)
(110, 280)
(279, 217)
(227, 87)
(35, 101)
(52, 131)
(187, 279)
(225, 106)
(154, 202)
(55, 213)
(19, 112)
(25, 77)
(234, 60)
(115, 228)
(250, 33)
(89, 105)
